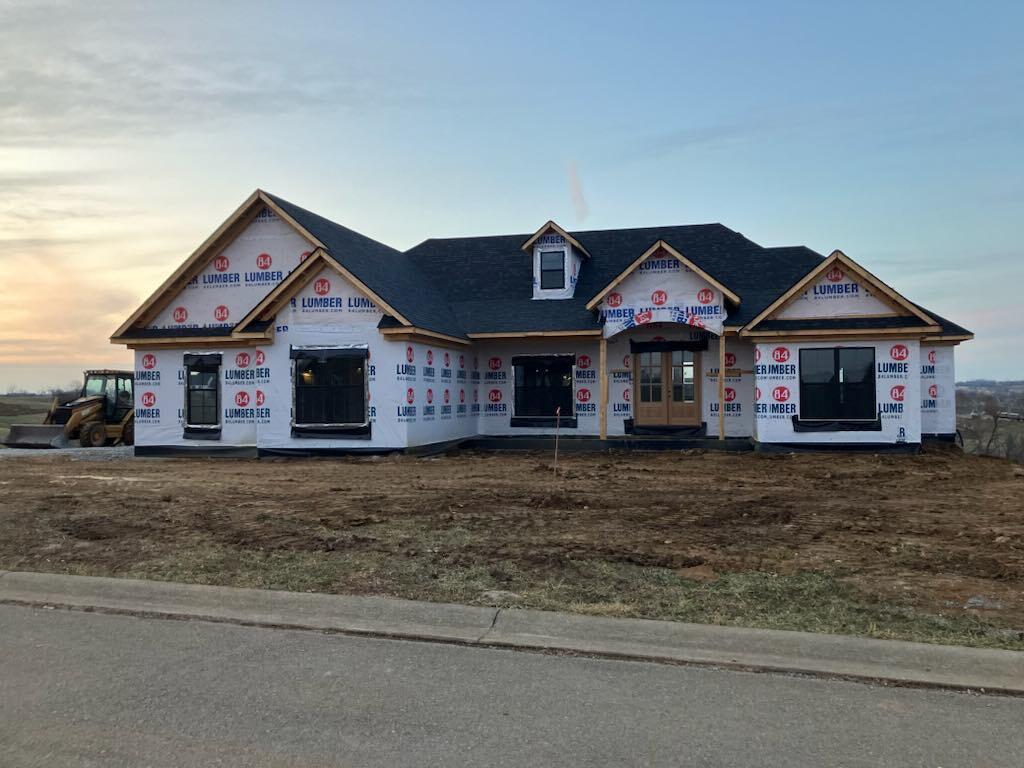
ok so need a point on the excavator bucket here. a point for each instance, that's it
(36, 436)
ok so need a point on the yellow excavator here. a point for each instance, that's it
(102, 414)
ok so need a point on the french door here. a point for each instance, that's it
(666, 389)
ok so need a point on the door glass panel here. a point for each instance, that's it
(683, 385)
(650, 377)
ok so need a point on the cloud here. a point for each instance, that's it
(48, 313)
(14, 183)
(76, 96)
(67, 80)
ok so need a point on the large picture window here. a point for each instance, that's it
(552, 270)
(330, 388)
(543, 385)
(837, 384)
(202, 391)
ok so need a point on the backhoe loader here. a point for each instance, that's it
(102, 414)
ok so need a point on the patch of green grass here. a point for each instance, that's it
(810, 601)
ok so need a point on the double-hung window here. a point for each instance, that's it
(202, 396)
(552, 270)
(837, 384)
(543, 390)
(330, 392)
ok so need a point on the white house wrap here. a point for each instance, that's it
(287, 333)
(663, 290)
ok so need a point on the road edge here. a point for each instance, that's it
(877, 662)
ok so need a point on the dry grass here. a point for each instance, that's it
(887, 547)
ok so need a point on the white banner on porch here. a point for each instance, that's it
(663, 290)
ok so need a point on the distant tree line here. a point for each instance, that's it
(990, 417)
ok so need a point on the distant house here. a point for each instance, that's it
(287, 332)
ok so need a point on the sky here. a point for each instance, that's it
(130, 131)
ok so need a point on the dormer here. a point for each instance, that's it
(557, 257)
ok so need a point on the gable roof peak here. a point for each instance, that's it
(551, 225)
(893, 297)
(656, 247)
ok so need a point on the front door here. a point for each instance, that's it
(665, 391)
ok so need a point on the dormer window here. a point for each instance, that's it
(552, 270)
(557, 257)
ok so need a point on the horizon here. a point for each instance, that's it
(128, 133)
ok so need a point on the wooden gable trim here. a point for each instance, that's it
(837, 256)
(269, 202)
(198, 341)
(281, 293)
(909, 332)
(949, 340)
(180, 277)
(376, 299)
(413, 333)
(297, 279)
(551, 225)
(534, 334)
(221, 237)
(662, 245)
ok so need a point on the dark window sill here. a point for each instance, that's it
(199, 433)
(565, 422)
(361, 432)
(838, 425)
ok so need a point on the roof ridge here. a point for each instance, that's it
(791, 248)
(526, 235)
(278, 199)
(657, 226)
(395, 276)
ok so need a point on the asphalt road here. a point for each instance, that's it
(81, 689)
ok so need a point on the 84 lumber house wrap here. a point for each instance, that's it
(288, 333)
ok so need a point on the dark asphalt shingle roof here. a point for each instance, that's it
(490, 279)
(485, 284)
(519, 315)
(948, 326)
(391, 274)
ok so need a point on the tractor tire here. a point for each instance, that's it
(92, 435)
(128, 434)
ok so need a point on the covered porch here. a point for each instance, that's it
(665, 380)
(664, 322)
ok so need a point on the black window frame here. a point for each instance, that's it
(208, 364)
(325, 427)
(540, 411)
(560, 271)
(839, 394)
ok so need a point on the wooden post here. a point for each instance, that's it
(602, 365)
(558, 421)
(721, 386)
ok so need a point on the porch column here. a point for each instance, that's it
(721, 386)
(602, 366)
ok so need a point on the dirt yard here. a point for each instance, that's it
(927, 547)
